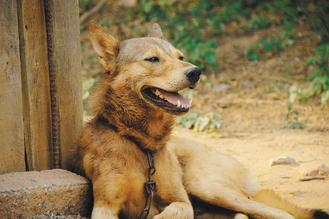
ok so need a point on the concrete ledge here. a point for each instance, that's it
(45, 194)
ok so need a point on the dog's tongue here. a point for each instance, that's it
(176, 99)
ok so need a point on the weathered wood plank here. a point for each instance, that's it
(35, 82)
(68, 73)
(11, 113)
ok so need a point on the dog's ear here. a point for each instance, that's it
(105, 45)
(154, 30)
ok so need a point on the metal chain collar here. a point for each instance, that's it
(149, 185)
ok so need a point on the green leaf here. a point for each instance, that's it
(267, 46)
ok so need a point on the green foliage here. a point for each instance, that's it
(264, 45)
(295, 125)
(200, 123)
(260, 22)
(272, 44)
(319, 19)
(320, 76)
(286, 9)
(232, 12)
(288, 12)
(292, 119)
(252, 52)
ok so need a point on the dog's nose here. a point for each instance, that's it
(193, 75)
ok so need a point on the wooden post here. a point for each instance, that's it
(66, 29)
(11, 113)
(35, 82)
(25, 114)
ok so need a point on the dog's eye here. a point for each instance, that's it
(181, 58)
(152, 59)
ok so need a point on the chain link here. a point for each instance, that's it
(149, 185)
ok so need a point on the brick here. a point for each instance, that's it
(45, 194)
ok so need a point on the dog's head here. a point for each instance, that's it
(154, 69)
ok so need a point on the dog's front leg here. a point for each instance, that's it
(170, 188)
(108, 197)
(177, 210)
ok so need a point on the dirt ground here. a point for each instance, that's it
(252, 98)
(256, 149)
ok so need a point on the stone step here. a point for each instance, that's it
(53, 193)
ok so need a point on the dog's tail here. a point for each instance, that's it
(270, 198)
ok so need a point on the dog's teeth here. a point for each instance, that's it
(178, 103)
(190, 103)
(158, 93)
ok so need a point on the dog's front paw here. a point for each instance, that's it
(177, 210)
(103, 213)
(241, 216)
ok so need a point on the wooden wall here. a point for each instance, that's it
(25, 112)
(11, 106)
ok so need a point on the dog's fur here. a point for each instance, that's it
(110, 143)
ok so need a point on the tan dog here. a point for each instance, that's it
(135, 108)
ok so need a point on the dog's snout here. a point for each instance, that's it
(193, 75)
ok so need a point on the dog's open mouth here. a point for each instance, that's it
(173, 102)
